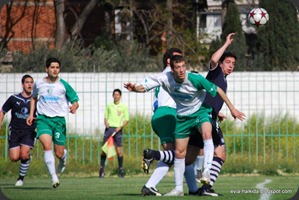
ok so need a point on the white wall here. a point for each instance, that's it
(252, 92)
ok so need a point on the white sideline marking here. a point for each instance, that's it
(261, 186)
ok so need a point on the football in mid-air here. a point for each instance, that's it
(258, 16)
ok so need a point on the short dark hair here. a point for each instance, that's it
(227, 54)
(168, 54)
(116, 90)
(26, 76)
(52, 59)
(176, 59)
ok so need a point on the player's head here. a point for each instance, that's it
(178, 68)
(168, 54)
(116, 90)
(227, 62)
(27, 83)
(51, 60)
(53, 68)
(116, 95)
(26, 76)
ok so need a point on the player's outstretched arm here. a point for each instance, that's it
(134, 88)
(217, 55)
(234, 112)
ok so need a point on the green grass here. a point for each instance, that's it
(129, 187)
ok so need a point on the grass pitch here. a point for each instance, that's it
(128, 188)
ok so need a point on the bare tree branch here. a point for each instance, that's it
(75, 30)
(60, 23)
(9, 33)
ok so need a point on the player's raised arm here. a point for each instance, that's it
(133, 87)
(234, 112)
(217, 55)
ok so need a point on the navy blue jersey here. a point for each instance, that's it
(19, 107)
(217, 77)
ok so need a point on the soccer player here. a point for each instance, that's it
(21, 136)
(163, 123)
(51, 96)
(188, 91)
(115, 119)
(222, 64)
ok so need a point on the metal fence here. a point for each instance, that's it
(269, 99)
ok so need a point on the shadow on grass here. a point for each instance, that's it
(2, 196)
(132, 194)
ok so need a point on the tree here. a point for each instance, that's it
(232, 23)
(278, 41)
(61, 36)
(10, 23)
(170, 23)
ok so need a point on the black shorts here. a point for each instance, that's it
(117, 137)
(196, 138)
(19, 138)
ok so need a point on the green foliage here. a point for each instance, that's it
(139, 135)
(232, 24)
(176, 26)
(237, 165)
(214, 46)
(72, 58)
(264, 140)
(129, 56)
(278, 41)
(133, 58)
(123, 57)
(274, 49)
(194, 51)
(262, 145)
(101, 61)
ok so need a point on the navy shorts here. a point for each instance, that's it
(19, 138)
(196, 138)
(117, 137)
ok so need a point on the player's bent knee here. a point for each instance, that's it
(24, 156)
(220, 152)
(180, 155)
(14, 159)
(223, 157)
(59, 154)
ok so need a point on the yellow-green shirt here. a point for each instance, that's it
(116, 114)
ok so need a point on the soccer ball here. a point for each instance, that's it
(258, 16)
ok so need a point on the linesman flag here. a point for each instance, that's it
(109, 147)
